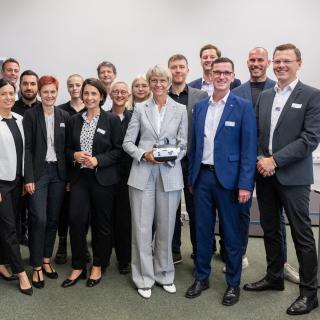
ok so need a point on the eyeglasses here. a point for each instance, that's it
(161, 81)
(121, 92)
(220, 73)
(285, 62)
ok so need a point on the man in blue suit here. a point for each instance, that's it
(222, 167)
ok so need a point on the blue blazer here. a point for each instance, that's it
(244, 91)
(197, 84)
(235, 144)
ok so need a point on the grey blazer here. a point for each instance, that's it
(296, 134)
(194, 96)
(174, 128)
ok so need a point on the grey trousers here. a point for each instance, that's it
(152, 262)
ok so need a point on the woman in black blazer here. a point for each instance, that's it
(11, 172)
(45, 175)
(94, 148)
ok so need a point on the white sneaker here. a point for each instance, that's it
(145, 293)
(245, 264)
(291, 274)
(170, 288)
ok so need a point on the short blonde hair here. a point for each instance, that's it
(159, 71)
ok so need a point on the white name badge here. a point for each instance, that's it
(62, 125)
(296, 106)
(101, 131)
(229, 123)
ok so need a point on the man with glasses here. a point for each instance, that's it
(222, 168)
(288, 118)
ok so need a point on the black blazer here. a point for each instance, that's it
(36, 142)
(107, 147)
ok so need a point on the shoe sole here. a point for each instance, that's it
(229, 304)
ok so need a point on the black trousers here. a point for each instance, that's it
(121, 218)
(86, 193)
(11, 193)
(272, 196)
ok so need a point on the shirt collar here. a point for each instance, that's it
(94, 119)
(290, 87)
(223, 100)
(206, 83)
(185, 90)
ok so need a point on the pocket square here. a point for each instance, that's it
(229, 123)
(101, 131)
(296, 105)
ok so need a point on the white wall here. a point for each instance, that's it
(73, 36)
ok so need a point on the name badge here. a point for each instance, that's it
(62, 125)
(296, 105)
(101, 131)
(229, 123)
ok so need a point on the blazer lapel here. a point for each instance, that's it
(150, 110)
(225, 114)
(202, 120)
(57, 122)
(289, 102)
(42, 122)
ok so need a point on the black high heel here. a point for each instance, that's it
(40, 283)
(52, 274)
(68, 282)
(10, 278)
(28, 291)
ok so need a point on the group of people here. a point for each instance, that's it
(90, 164)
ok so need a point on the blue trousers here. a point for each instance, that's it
(210, 196)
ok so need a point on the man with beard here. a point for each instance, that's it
(28, 90)
(257, 63)
(182, 93)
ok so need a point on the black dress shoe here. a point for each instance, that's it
(196, 289)
(124, 268)
(40, 283)
(52, 274)
(93, 282)
(68, 282)
(264, 284)
(10, 278)
(28, 291)
(231, 296)
(303, 305)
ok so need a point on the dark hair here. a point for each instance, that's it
(210, 46)
(176, 57)
(8, 61)
(288, 46)
(223, 60)
(4, 82)
(106, 64)
(28, 73)
(98, 85)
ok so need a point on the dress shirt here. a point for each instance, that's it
(107, 106)
(87, 133)
(159, 115)
(20, 107)
(213, 116)
(207, 87)
(279, 102)
(51, 153)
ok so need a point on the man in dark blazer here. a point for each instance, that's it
(222, 168)
(288, 118)
(208, 54)
(188, 96)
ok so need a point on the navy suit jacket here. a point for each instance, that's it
(235, 143)
(197, 84)
(244, 91)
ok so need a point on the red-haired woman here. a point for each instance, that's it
(45, 175)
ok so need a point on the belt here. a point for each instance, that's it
(207, 166)
(51, 162)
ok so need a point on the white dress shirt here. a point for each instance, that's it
(51, 155)
(159, 115)
(107, 106)
(213, 117)
(279, 101)
(207, 87)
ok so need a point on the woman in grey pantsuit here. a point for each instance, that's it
(154, 187)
